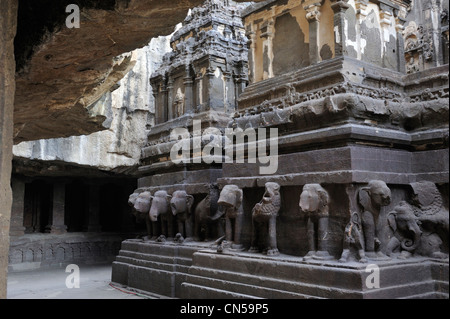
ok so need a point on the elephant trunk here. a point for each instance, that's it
(220, 212)
(410, 244)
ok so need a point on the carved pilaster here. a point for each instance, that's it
(313, 17)
(188, 91)
(251, 35)
(18, 205)
(267, 36)
(361, 9)
(56, 222)
(399, 27)
(339, 7)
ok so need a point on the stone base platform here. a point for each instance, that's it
(246, 275)
(155, 267)
(197, 271)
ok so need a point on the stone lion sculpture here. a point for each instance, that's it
(264, 217)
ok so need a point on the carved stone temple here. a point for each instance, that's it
(292, 149)
(356, 92)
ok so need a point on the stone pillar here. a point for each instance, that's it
(267, 35)
(170, 110)
(339, 7)
(385, 22)
(164, 105)
(361, 14)
(8, 24)
(198, 90)
(313, 16)
(156, 98)
(251, 35)
(18, 205)
(188, 91)
(399, 22)
(228, 103)
(56, 222)
(210, 76)
(92, 222)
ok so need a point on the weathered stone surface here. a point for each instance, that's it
(34, 251)
(69, 69)
(8, 9)
(129, 109)
(242, 275)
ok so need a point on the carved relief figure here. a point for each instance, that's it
(181, 205)
(372, 198)
(314, 204)
(203, 219)
(264, 218)
(160, 207)
(230, 205)
(434, 218)
(141, 207)
(353, 245)
(405, 230)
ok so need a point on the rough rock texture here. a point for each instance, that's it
(68, 69)
(8, 9)
(60, 71)
(128, 110)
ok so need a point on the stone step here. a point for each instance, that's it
(273, 278)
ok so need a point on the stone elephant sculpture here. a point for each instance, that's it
(264, 218)
(405, 231)
(230, 206)
(141, 203)
(314, 204)
(181, 205)
(160, 208)
(203, 224)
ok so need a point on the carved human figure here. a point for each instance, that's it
(160, 207)
(264, 221)
(230, 205)
(141, 203)
(353, 243)
(405, 231)
(314, 204)
(434, 218)
(372, 198)
(181, 205)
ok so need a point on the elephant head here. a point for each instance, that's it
(314, 200)
(160, 205)
(181, 202)
(379, 194)
(230, 200)
(132, 199)
(142, 202)
(405, 225)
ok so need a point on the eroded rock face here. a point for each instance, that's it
(61, 71)
(127, 110)
(66, 70)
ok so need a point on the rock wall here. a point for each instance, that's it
(129, 108)
(8, 9)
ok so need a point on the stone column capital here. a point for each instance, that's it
(312, 12)
(339, 5)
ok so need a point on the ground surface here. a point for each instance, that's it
(51, 284)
